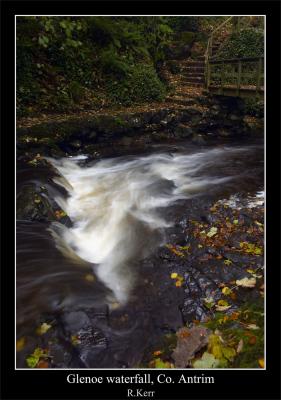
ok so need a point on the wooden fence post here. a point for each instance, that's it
(259, 72)
(239, 77)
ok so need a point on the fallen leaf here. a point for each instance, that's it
(209, 302)
(189, 342)
(226, 291)
(252, 326)
(212, 232)
(223, 303)
(157, 352)
(178, 283)
(90, 277)
(261, 362)
(219, 351)
(162, 364)
(227, 262)
(235, 221)
(43, 328)
(20, 343)
(42, 364)
(222, 308)
(252, 340)
(246, 282)
(240, 346)
(34, 358)
(75, 340)
(206, 361)
(174, 275)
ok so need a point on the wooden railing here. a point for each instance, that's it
(233, 75)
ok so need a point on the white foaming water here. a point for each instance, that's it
(116, 206)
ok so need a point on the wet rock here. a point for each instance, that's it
(75, 320)
(199, 140)
(33, 205)
(223, 132)
(126, 141)
(183, 131)
(61, 357)
(76, 144)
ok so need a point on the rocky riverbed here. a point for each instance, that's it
(206, 268)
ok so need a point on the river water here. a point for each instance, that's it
(121, 209)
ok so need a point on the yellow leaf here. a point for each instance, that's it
(90, 277)
(20, 344)
(75, 340)
(223, 303)
(261, 362)
(174, 275)
(178, 283)
(252, 326)
(226, 291)
(246, 282)
(212, 232)
(200, 246)
(43, 328)
(235, 221)
(222, 307)
(227, 262)
(240, 346)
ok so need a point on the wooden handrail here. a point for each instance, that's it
(235, 60)
(221, 25)
(209, 62)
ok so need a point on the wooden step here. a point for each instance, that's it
(193, 69)
(194, 74)
(181, 101)
(191, 63)
(194, 79)
(194, 84)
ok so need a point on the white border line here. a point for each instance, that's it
(150, 369)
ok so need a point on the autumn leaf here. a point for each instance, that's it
(246, 282)
(20, 343)
(222, 305)
(190, 341)
(75, 340)
(206, 361)
(157, 352)
(252, 340)
(219, 351)
(251, 326)
(226, 291)
(261, 362)
(227, 262)
(34, 358)
(240, 346)
(178, 283)
(235, 221)
(174, 275)
(43, 328)
(162, 364)
(42, 364)
(209, 302)
(212, 232)
(90, 277)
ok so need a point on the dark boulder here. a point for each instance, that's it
(33, 205)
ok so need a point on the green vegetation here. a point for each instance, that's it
(248, 42)
(73, 63)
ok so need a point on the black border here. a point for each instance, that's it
(229, 384)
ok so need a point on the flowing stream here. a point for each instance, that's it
(121, 209)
